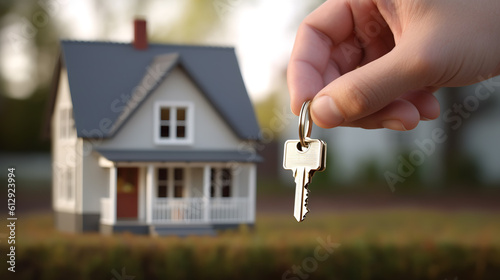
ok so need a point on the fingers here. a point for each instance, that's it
(310, 63)
(370, 88)
(333, 40)
(400, 115)
(403, 113)
(355, 82)
(425, 102)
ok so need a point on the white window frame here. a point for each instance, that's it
(67, 130)
(171, 182)
(189, 123)
(66, 185)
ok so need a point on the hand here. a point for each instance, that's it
(376, 63)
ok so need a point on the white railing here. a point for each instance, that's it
(106, 211)
(178, 210)
(194, 210)
(234, 209)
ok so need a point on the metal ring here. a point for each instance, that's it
(304, 122)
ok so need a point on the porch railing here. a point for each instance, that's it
(106, 211)
(194, 210)
(234, 209)
(178, 210)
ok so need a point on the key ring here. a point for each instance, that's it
(304, 122)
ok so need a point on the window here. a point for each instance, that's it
(66, 180)
(170, 182)
(66, 123)
(70, 182)
(174, 123)
(226, 182)
(221, 182)
(178, 182)
(162, 182)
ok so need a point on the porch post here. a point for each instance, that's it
(149, 193)
(206, 193)
(112, 193)
(252, 181)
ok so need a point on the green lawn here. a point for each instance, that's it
(381, 244)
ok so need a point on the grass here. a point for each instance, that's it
(382, 244)
(381, 226)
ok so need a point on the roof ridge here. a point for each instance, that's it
(194, 46)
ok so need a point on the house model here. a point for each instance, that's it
(151, 138)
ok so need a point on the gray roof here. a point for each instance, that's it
(102, 74)
(178, 156)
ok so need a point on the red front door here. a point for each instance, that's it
(127, 181)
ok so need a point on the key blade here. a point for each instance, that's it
(301, 209)
(301, 194)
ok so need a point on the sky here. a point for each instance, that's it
(261, 31)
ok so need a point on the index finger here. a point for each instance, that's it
(310, 63)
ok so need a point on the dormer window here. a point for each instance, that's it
(174, 123)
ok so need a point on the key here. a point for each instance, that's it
(303, 161)
(304, 157)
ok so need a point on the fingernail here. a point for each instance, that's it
(394, 125)
(326, 112)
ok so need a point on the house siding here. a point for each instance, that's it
(95, 181)
(210, 131)
(64, 151)
(74, 222)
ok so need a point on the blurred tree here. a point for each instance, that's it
(6, 7)
(21, 123)
(197, 20)
(21, 119)
(461, 168)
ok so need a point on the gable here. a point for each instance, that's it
(210, 130)
(102, 75)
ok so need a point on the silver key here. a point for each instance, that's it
(304, 157)
(303, 161)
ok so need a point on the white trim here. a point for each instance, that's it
(112, 193)
(252, 182)
(149, 193)
(105, 163)
(173, 119)
(206, 192)
(141, 212)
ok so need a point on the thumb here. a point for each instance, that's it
(369, 88)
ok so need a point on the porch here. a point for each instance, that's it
(189, 211)
(161, 194)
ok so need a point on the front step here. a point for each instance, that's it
(181, 230)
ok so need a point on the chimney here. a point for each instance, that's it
(140, 34)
